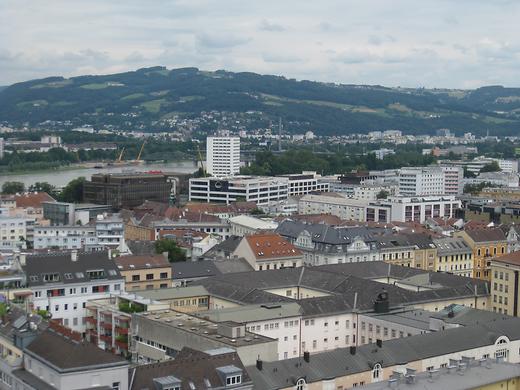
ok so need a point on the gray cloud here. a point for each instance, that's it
(438, 43)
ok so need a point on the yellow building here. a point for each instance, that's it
(486, 245)
(147, 272)
(454, 256)
(184, 299)
(504, 284)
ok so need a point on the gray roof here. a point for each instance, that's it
(172, 293)
(252, 313)
(69, 271)
(341, 282)
(477, 375)
(451, 246)
(416, 318)
(462, 315)
(340, 362)
(193, 270)
(67, 355)
(225, 247)
(232, 265)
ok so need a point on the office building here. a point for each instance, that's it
(127, 190)
(63, 213)
(260, 190)
(223, 156)
(305, 183)
(338, 205)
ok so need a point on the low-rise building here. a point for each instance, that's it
(64, 362)
(268, 251)
(242, 225)
(454, 255)
(345, 208)
(184, 299)
(145, 272)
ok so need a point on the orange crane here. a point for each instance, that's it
(138, 159)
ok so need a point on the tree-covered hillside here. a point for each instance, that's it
(148, 98)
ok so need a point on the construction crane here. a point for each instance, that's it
(120, 158)
(140, 152)
(201, 161)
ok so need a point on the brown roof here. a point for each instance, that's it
(125, 263)
(271, 246)
(326, 219)
(68, 355)
(511, 258)
(33, 199)
(219, 208)
(486, 235)
(189, 366)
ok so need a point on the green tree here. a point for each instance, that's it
(43, 186)
(12, 187)
(383, 194)
(491, 167)
(175, 252)
(468, 173)
(73, 191)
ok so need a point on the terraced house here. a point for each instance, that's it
(486, 245)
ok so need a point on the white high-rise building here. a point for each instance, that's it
(436, 180)
(223, 156)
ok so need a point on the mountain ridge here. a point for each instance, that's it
(148, 97)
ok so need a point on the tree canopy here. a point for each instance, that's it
(175, 252)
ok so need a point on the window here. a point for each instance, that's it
(300, 384)
(376, 371)
(164, 275)
(149, 276)
(233, 380)
(116, 386)
(136, 278)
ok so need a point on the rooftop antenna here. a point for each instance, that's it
(280, 134)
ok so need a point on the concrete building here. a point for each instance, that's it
(454, 255)
(62, 283)
(64, 362)
(65, 237)
(264, 251)
(222, 156)
(184, 299)
(408, 209)
(260, 190)
(243, 225)
(160, 335)
(15, 232)
(63, 213)
(305, 183)
(145, 272)
(344, 208)
(418, 181)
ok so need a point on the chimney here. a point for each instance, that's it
(109, 253)
(259, 364)
(165, 255)
(379, 343)
(352, 349)
(74, 255)
(307, 356)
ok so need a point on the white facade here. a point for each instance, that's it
(453, 180)
(223, 156)
(421, 181)
(261, 190)
(306, 183)
(347, 209)
(418, 209)
(110, 232)
(242, 225)
(64, 237)
(15, 232)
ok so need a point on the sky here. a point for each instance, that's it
(409, 43)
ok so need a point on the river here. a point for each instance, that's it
(60, 177)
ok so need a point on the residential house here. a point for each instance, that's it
(454, 255)
(145, 272)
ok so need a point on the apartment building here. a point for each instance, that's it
(504, 283)
(222, 156)
(323, 244)
(419, 181)
(486, 245)
(454, 255)
(344, 208)
(62, 361)
(260, 190)
(65, 237)
(264, 251)
(63, 283)
(16, 232)
(242, 225)
(145, 272)
(411, 250)
(186, 299)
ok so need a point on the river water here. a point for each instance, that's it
(60, 177)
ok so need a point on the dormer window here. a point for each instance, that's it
(233, 380)
(96, 274)
(54, 277)
(301, 384)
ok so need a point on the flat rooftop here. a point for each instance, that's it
(172, 293)
(202, 328)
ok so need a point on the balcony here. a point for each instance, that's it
(106, 338)
(122, 345)
(91, 320)
(106, 325)
(122, 330)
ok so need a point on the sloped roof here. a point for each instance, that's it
(33, 199)
(486, 235)
(511, 258)
(126, 263)
(271, 246)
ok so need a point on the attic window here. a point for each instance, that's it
(112, 272)
(192, 385)
(33, 278)
(68, 276)
(80, 275)
(233, 380)
(54, 277)
(96, 274)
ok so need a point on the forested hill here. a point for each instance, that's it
(148, 98)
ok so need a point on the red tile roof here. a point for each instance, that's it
(33, 199)
(486, 235)
(271, 246)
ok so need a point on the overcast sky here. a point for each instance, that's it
(431, 43)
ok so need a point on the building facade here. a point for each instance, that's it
(223, 156)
